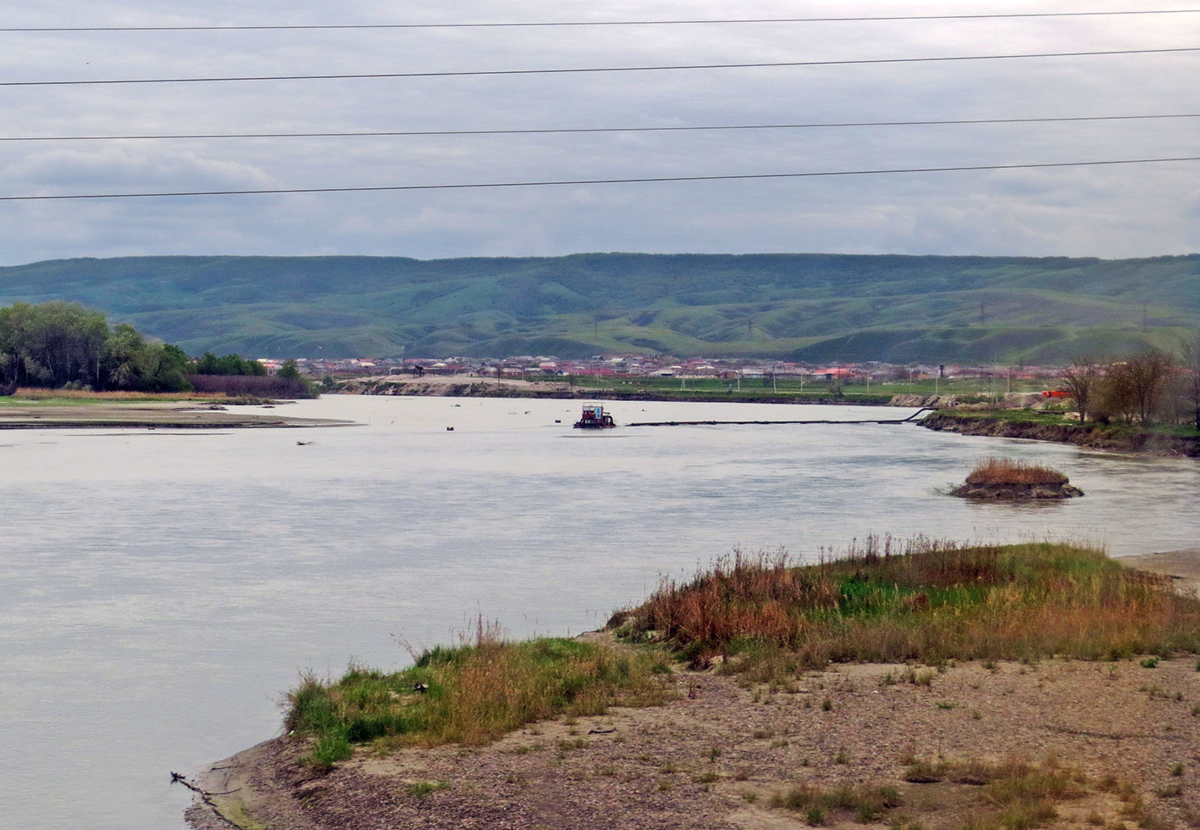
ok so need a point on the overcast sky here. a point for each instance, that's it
(1095, 211)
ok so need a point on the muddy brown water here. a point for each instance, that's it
(160, 590)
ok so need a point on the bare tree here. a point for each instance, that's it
(1082, 381)
(1191, 369)
(1139, 382)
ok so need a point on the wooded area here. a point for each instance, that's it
(64, 345)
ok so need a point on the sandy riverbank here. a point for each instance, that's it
(1182, 565)
(146, 415)
(714, 756)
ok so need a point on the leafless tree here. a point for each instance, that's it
(1191, 369)
(1082, 381)
(1135, 386)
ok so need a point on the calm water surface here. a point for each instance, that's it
(159, 591)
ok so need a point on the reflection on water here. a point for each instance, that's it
(159, 590)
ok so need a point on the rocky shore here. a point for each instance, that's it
(1092, 436)
(1016, 492)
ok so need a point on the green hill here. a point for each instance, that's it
(814, 307)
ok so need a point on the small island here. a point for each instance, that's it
(1006, 479)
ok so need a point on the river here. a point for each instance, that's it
(161, 590)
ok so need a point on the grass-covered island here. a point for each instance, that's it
(1007, 479)
(933, 686)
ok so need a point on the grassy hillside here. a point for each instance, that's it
(801, 306)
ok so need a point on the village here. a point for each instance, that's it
(530, 367)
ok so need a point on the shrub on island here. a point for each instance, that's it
(1007, 479)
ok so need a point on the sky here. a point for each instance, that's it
(1104, 211)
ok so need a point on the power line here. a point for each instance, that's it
(579, 182)
(582, 70)
(575, 130)
(592, 23)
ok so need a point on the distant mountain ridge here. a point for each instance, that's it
(815, 307)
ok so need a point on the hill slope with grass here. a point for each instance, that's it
(814, 307)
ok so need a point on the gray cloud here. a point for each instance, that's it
(1095, 211)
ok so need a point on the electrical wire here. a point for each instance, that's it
(581, 182)
(583, 70)
(585, 23)
(578, 130)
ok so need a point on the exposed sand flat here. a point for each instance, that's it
(1182, 565)
(166, 415)
(714, 757)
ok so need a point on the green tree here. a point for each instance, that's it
(51, 344)
(135, 363)
(290, 371)
(230, 364)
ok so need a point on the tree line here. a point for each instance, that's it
(1154, 387)
(59, 344)
(64, 345)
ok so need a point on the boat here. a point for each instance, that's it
(594, 417)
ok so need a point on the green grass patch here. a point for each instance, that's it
(471, 694)
(422, 789)
(865, 802)
(1035, 417)
(930, 602)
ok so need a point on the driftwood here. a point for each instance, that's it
(206, 797)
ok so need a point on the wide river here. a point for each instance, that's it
(160, 591)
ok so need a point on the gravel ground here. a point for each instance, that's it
(713, 757)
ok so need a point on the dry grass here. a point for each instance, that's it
(1010, 471)
(930, 602)
(36, 394)
(1006, 795)
(472, 694)
(864, 802)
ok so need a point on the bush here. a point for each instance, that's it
(1010, 471)
(471, 694)
(933, 602)
(250, 386)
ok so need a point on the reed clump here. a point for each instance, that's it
(923, 601)
(39, 394)
(1012, 471)
(1004, 795)
(470, 694)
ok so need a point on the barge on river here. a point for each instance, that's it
(594, 417)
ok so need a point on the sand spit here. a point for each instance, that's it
(714, 757)
(1181, 565)
(147, 415)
